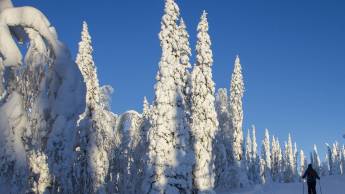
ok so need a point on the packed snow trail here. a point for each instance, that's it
(329, 185)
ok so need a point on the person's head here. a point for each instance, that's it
(310, 166)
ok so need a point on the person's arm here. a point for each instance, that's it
(317, 176)
(304, 175)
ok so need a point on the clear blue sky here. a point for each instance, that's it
(292, 53)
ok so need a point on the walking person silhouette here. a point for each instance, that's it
(311, 176)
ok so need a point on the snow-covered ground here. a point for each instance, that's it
(329, 185)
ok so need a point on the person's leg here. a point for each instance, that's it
(309, 188)
(314, 188)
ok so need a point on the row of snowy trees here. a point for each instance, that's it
(58, 135)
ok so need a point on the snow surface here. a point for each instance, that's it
(329, 185)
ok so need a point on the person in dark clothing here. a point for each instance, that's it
(311, 176)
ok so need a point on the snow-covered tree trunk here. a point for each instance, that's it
(170, 151)
(204, 121)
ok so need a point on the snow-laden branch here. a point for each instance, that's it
(26, 17)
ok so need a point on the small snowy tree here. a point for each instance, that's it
(204, 121)
(248, 151)
(255, 167)
(262, 171)
(266, 156)
(343, 159)
(295, 151)
(276, 160)
(303, 163)
(289, 162)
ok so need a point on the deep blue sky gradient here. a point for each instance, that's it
(292, 53)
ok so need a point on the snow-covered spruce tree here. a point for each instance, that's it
(336, 164)
(276, 161)
(289, 162)
(343, 159)
(170, 151)
(266, 156)
(185, 52)
(255, 166)
(204, 121)
(295, 151)
(280, 161)
(303, 163)
(95, 127)
(248, 156)
(222, 142)
(329, 158)
(262, 179)
(236, 109)
(128, 155)
(236, 161)
(88, 69)
(315, 159)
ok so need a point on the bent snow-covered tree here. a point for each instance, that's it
(170, 157)
(204, 121)
(40, 110)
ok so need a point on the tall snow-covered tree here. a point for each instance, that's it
(170, 154)
(289, 162)
(336, 160)
(95, 129)
(343, 159)
(303, 163)
(329, 158)
(222, 143)
(274, 164)
(315, 159)
(184, 53)
(266, 156)
(248, 152)
(204, 121)
(236, 110)
(295, 151)
(236, 161)
(88, 69)
(280, 160)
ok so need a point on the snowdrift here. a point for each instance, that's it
(329, 185)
